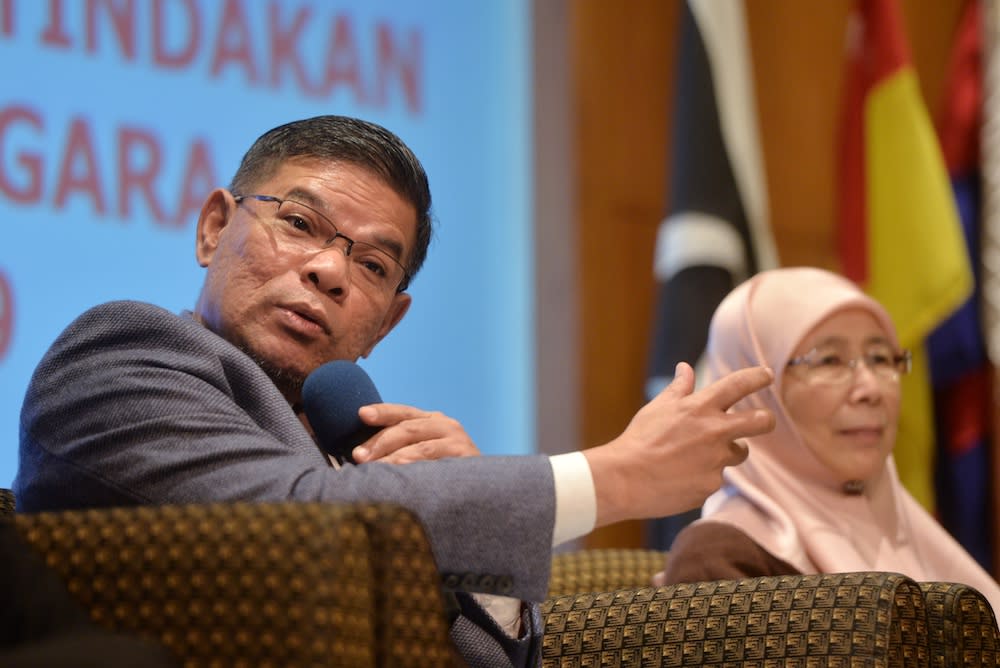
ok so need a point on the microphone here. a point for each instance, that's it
(331, 397)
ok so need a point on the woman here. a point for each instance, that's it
(820, 493)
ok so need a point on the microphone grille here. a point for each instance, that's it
(331, 397)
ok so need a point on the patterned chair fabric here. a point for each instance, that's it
(6, 502)
(281, 585)
(963, 626)
(356, 585)
(593, 570)
(848, 619)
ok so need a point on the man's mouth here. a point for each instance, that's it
(306, 318)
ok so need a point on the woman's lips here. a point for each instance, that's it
(864, 433)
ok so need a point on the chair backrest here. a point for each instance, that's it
(607, 569)
(962, 626)
(281, 584)
(844, 619)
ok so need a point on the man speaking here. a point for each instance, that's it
(308, 255)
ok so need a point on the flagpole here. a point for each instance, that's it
(990, 254)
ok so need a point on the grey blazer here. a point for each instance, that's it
(135, 405)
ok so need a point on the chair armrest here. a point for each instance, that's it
(255, 584)
(872, 618)
(962, 624)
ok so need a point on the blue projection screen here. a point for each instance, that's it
(117, 117)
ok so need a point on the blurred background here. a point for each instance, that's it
(564, 139)
(631, 129)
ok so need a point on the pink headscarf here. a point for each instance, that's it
(782, 496)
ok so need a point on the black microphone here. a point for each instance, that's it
(331, 397)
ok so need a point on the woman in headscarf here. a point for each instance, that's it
(820, 493)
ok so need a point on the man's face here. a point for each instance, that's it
(293, 311)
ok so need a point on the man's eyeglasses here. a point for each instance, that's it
(301, 228)
(831, 366)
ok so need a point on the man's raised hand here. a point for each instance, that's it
(671, 455)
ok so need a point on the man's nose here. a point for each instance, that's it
(329, 270)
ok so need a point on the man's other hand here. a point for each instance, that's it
(410, 434)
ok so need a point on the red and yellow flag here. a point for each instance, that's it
(899, 231)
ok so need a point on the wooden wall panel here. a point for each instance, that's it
(623, 75)
(622, 62)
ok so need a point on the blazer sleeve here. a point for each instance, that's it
(135, 405)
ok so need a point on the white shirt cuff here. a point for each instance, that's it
(576, 499)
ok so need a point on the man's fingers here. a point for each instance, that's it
(383, 444)
(683, 382)
(410, 434)
(404, 453)
(384, 415)
(741, 424)
(731, 388)
(366, 451)
(428, 450)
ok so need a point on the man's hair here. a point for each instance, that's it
(349, 140)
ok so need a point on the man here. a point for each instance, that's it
(308, 255)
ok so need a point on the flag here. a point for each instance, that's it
(716, 231)
(960, 373)
(899, 234)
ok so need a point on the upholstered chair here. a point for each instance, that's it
(283, 584)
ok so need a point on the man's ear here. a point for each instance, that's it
(215, 214)
(400, 305)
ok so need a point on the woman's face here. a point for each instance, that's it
(849, 424)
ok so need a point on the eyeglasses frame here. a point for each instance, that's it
(904, 358)
(337, 234)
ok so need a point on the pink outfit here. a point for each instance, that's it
(782, 496)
